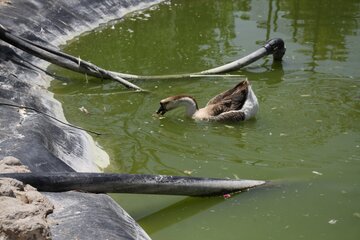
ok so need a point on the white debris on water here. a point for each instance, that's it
(84, 110)
(333, 221)
(188, 172)
(317, 173)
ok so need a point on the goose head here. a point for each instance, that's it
(173, 102)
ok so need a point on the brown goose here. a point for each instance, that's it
(236, 104)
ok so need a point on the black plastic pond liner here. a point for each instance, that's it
(133, 183)
(89, 216)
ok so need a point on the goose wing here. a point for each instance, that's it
(232, 99)
(230, 116)
(247, 111)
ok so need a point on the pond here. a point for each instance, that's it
(305, 138)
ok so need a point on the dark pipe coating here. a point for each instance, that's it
(132, 183)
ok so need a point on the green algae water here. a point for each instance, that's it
(305, 138)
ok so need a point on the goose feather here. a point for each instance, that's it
(236, 104)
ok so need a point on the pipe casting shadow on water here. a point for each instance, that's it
(171, 215)
(275, 46)
(133, 183)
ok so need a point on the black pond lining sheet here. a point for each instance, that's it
(49, 116)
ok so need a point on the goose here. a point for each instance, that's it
(236, 104)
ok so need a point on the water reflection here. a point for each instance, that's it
(208, 32)
(177, 212)
(324, 25)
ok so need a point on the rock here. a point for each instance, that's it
(5, 2)
(23, 209)
(11, 164)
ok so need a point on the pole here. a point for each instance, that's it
(132, 183)
(61, 59)
(275, 46)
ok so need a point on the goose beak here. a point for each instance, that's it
(161, 111)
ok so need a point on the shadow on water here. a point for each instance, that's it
(190, 206)
(177, 212)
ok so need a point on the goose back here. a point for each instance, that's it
(230, 100)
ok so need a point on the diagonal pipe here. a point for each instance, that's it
(275, 46)
(61, 59)
(132, 183)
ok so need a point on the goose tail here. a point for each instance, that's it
(251, 105)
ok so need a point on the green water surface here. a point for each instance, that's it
(305, 138)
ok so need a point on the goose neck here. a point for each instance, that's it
(190, 105)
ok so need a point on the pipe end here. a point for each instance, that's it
(276, 47)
